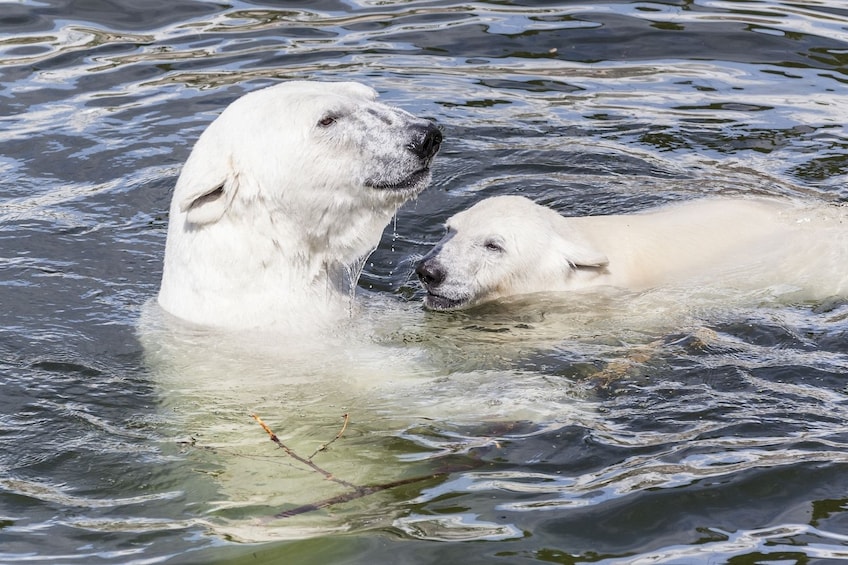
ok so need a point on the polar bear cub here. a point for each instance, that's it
(509, 245)
(282, 198)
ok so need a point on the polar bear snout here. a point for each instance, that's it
(430, 272)
(426, 142)
(401, 154)
(442, 294)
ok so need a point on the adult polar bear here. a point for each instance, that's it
(508, 245)
(282, 198)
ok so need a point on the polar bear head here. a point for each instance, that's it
(281, 197)
(502, 246)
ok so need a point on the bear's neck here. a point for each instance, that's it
(236, 274)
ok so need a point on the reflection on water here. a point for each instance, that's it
(619, 429)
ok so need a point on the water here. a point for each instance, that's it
(534, 432)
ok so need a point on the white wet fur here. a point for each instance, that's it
(509, 245)
(281, 200)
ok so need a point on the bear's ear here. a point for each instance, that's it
(208, 206)
(208, 197)
(584, 256)
(572, 247)
(578, 253)
(358, 89)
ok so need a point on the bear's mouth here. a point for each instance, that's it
(438, 302)
(416, 182)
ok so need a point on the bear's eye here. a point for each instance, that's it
(494, 246)
(328, 120)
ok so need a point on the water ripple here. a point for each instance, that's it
(46, 492)
(458, 527)
(783, 542)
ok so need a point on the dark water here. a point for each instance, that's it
(723, 439)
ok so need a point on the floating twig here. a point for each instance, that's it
(355, 491)
(358, 492)
(324, 446)
(308, 462)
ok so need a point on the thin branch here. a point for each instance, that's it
(327, 475)
(324, 446)
(358, 492)
(355, 491)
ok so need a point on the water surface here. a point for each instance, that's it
(530, 432)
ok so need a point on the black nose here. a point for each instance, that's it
(430, 273)
(426, 142)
